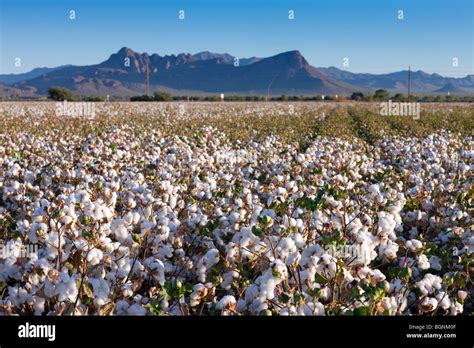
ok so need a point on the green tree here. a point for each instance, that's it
(399, 97)
(381, 94)
(357, 96)
(141, 98)
(162, 96)
(60, 94)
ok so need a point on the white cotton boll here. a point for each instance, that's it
(285, 247)
(228, 302)
(389, 249)
(234, 217)
(119, 230)
(279, 270)
(414, 245)
(379, 198)
(39, 303)
(443, 300)
(17, 295)
(300, 158)
(422, 262)
(386, 223)
(365, 254)
(158, 270)
(146, 226)
(429, 304)
(390, 303)
(378, 275)
(121, 307)
(137, 298)
(82, 196)
(456, 308)
(106, 244)
(319, 218)
(66, 288)
(206, 262)
(241, 305)
(413, 232)
(199, 293)
(172, 201)
(52, 242)
(435, 263)
(107, 213)
(232, 250)
(66, 220)
(429, 284)
(374, 189)
(395, 286)
(38, 232)
(164, 233)
(164, 251)
(299, 240)
(101, 291)
(135, 218)
(95, 256)
(49, 288)
(462, 295)
(127, 290)
(311, 308)
(136, 310)
(354, 226)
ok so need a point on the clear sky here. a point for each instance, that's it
(367, 32)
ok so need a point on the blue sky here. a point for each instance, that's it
(368, 32)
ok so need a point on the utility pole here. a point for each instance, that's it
(147, 80)
(409, 82)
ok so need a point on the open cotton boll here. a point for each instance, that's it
(378, 275)
(199, 292)
(127, 290)
(365, 254)
(388, 249)
(429, 284)
(311, 308)
(157, 269)
(429, 304)
(247, 242)
(206, 263)
(443, 299)
(66, 288)
(374, 189)
(414, 245)
(136, 310)
(146, 226)
(228, 302)
(17, 295)
(119, 230)
(422, 262)
(101, 291)
(228, 279)
(38, 232)
(95, 256)
(286, 250)
(386, 224)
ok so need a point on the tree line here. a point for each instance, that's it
(61, 93)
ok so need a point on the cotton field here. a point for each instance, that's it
(236, 209)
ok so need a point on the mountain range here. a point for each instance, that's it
(289, 73)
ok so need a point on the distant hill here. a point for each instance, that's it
(13, 78)
(421, 82)
(289, 73)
